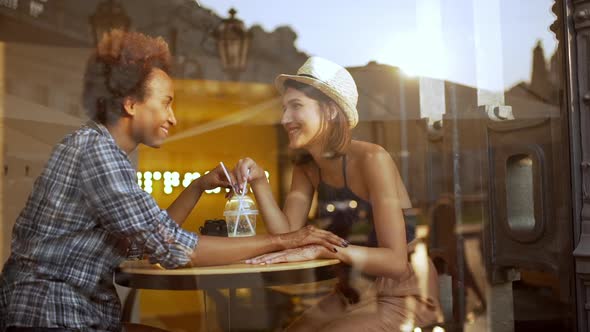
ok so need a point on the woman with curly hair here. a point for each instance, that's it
(86, 213)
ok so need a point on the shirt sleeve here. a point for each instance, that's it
(122, 207)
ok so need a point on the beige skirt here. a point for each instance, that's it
(384, 304)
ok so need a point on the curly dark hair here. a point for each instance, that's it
(119, 68)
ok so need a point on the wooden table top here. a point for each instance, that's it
(142, 274)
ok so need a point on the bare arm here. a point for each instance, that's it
(390, 258)
(186, 201)
(297, 204)
(213, 250)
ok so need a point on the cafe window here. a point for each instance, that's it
(465, 102)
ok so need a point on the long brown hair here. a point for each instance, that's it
(334, 133)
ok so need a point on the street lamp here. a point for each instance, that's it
(233, 41)
(109, 14)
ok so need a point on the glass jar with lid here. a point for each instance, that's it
(240, 214)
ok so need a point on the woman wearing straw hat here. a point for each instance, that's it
(357, 183)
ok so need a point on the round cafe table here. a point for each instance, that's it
(143, 275)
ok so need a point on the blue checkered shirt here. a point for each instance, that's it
(66, 241)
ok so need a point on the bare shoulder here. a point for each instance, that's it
(369, 155)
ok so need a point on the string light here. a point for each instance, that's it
(171, 180)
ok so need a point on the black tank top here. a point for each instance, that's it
(347, 215)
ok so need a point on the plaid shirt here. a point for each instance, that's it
(66, 241)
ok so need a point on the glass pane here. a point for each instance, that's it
(519, 193)
(457, 160)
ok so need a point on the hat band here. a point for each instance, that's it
(307, 75)
(315, 78)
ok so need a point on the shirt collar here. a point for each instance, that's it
(102, 130)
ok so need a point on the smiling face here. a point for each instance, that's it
(153, 116)
(302, 118)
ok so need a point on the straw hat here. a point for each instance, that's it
(331, 79)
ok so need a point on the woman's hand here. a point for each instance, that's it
(300, 254)
(311, 235)
(241, 172)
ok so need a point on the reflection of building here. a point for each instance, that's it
(41, 105)
(186, 26)
(501, 166)
(394, 114)
(544, 84)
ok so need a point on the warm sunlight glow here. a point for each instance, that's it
(419, 261)
(409, 325)
(419, 51)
